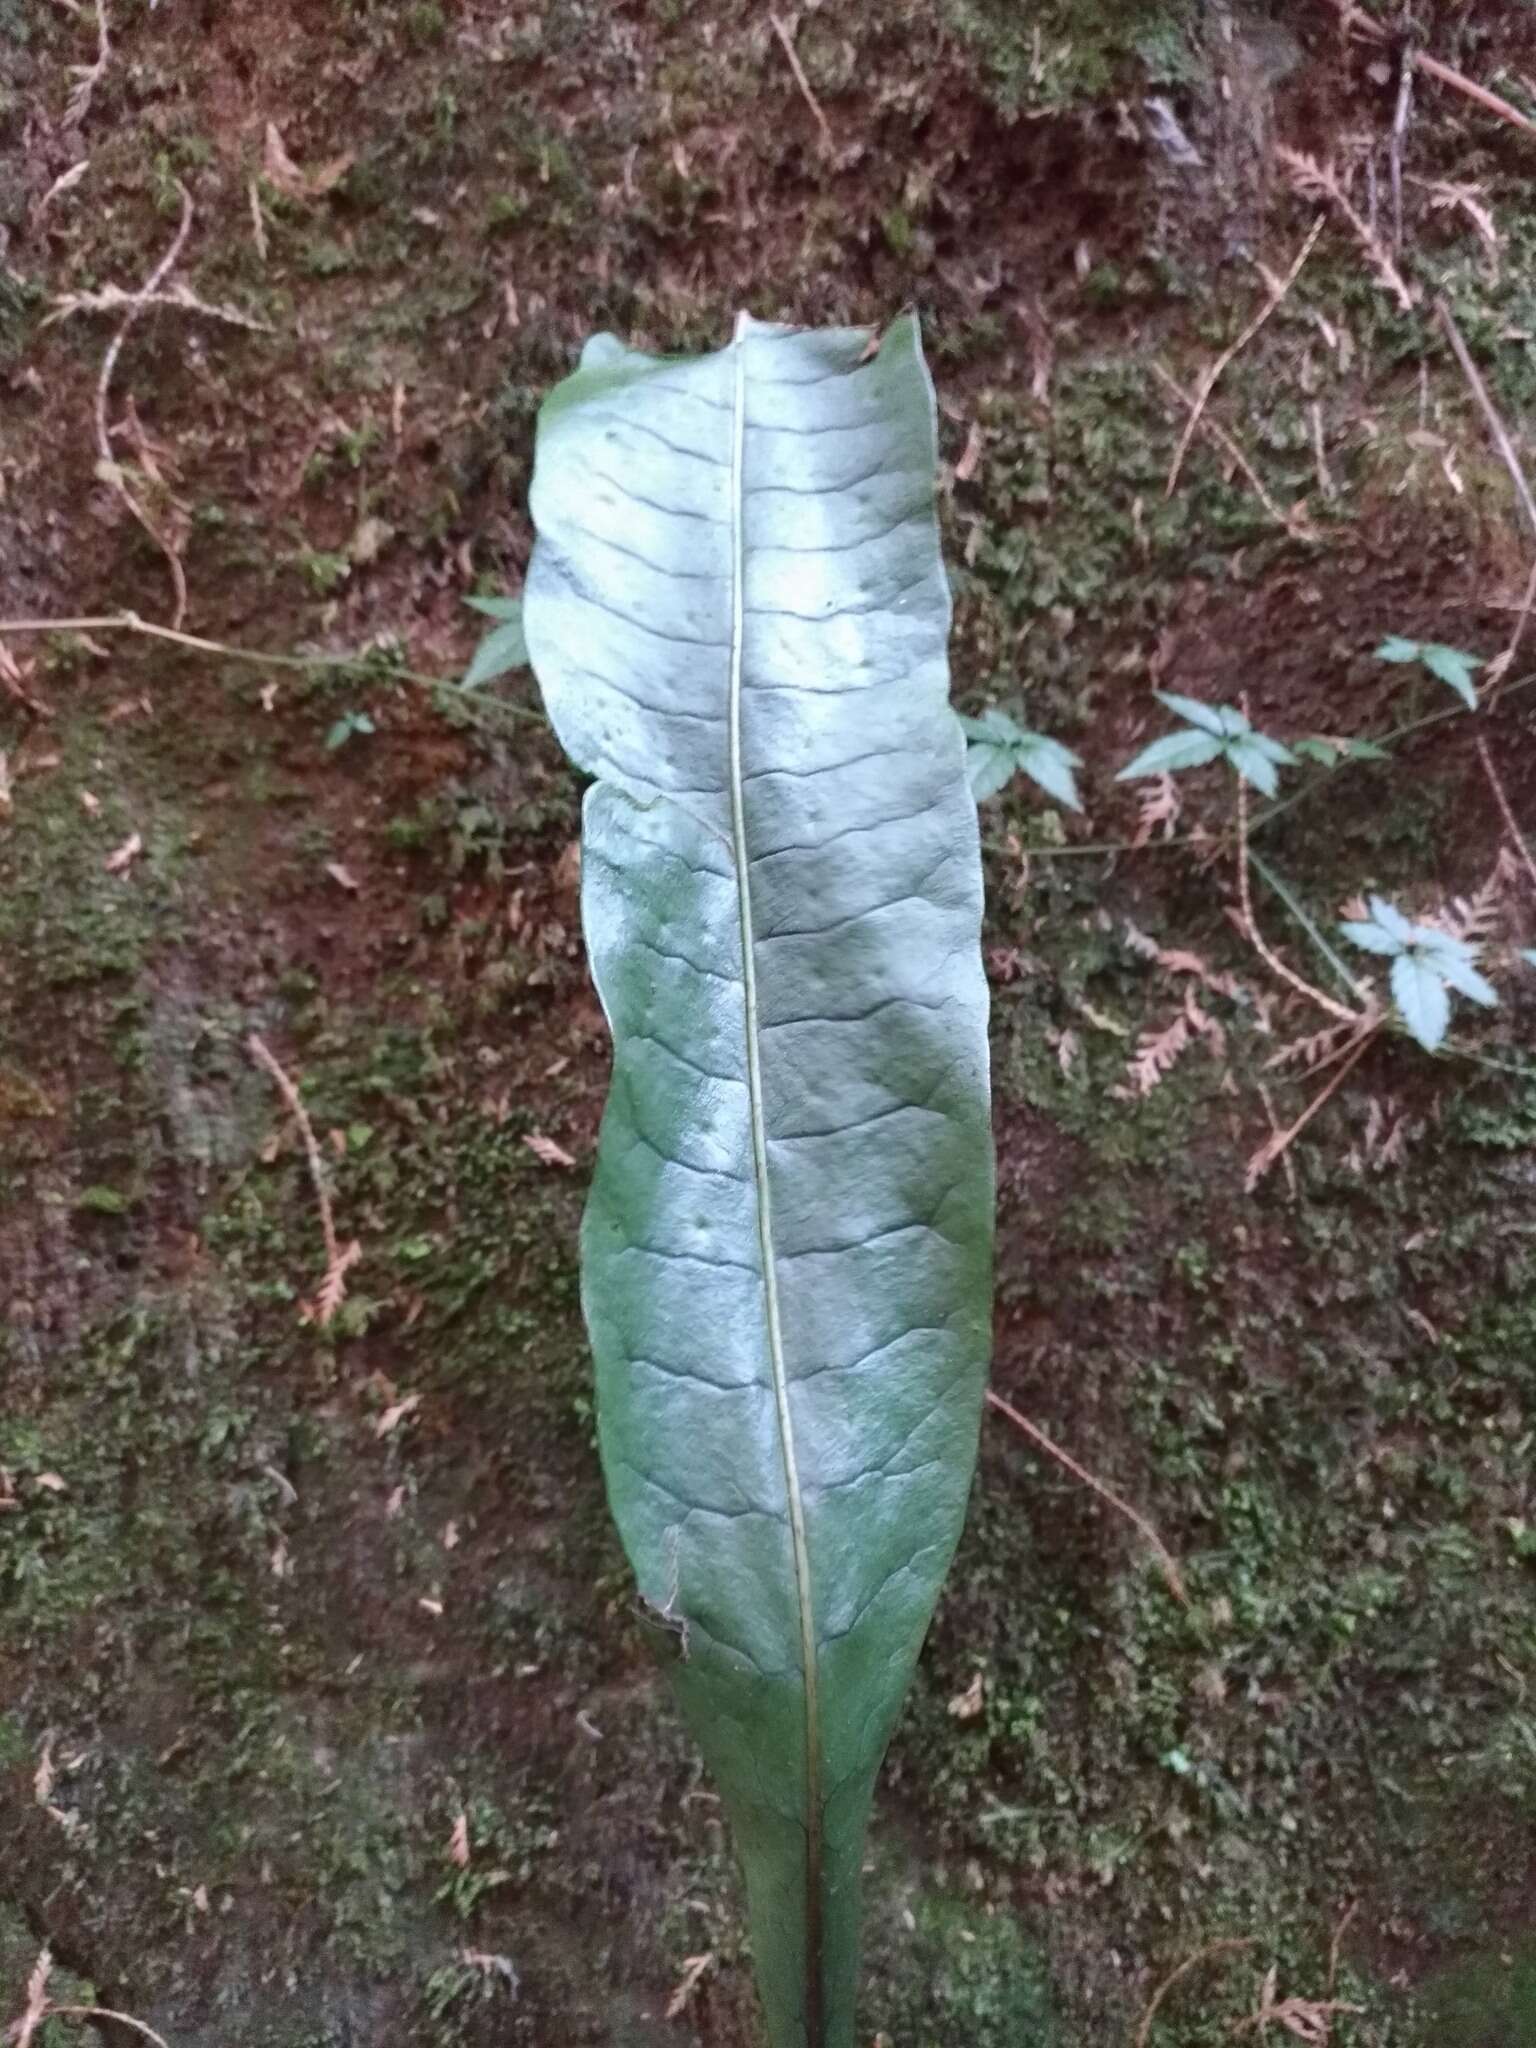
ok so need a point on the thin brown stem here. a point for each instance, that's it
(105, 2012)
(130, 622)
(1276, 1147)
(339, 1258)
(781, 30)
(108, 467)
(1506, 661)
(1294, 527)
(266, 1059)
(1356, 18)
(1277, 292)
(1497, 431)
(1201, 1955)
(1501, 798)
(89, 76)
(1334, 1946)
(1255, 937)
(1037, 1435)
(1320, 181)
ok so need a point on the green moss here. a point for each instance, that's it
(1489, 2002)
(965, 1976)
(1069, 51)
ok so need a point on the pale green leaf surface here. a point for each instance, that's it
(1175, 750)
(1371, 937)
(1208, 717)
(1391, 919)
(1000, 749)
(990, 769)
(738, 615)
(1421, 998)
(1253, 764)
(501, 650)
(1324, 752)
(1273, 750)
(1049, 763)
(1467, 980)
(1452, 665)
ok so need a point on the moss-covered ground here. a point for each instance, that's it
(327, 1715)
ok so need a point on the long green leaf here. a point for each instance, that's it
(738, 615)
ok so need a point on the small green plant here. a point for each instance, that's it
(502, 649)
(1427, 964)
(322, 571)
(350, 726)
(998, 749)
(1451, 664)
(1211, 732)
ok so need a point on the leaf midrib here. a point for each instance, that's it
(796, 1505)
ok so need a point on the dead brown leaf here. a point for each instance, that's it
(285, 176)
(122, 857)
(693, 1970)
(970, 459)
(965, 1706)
(65, 183)
(395, 1414)
(37, 1999)
(547, 1150)
(1309, 2020)
(333, 1288)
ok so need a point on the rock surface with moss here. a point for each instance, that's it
(351, 1723)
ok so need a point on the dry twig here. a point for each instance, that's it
(1296, 527)
(108, 468)
(111, 298)
(1256, 939)
(1278, 288)
(1201, 1955)
(1321, 181)
(781, 30)
(88, 76)
(1309, 2020)
(1502, 663)
(105, 2012)
(1399, 136)
(1467, 199)
(1501, 798)
(1277, 1146)
(339, 1258)
(39, 2009)
(1353, 17)
(1498, 433)
(1346, 1921)
(37, 1999)
(1268, 1100)
(1037, 1435)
